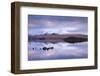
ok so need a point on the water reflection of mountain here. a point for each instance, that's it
(60, 50)
(53, 38)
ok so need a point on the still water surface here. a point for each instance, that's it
(61, 50)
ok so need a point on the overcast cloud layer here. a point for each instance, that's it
(40, 24)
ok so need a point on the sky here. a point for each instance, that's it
(46, 24)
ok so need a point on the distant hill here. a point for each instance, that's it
(70, 38)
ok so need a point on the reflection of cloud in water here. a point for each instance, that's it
(49, 53)
(61, 50)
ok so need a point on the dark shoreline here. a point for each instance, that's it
(70, 38)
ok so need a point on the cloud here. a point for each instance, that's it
(56, 24)
(64, 30)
